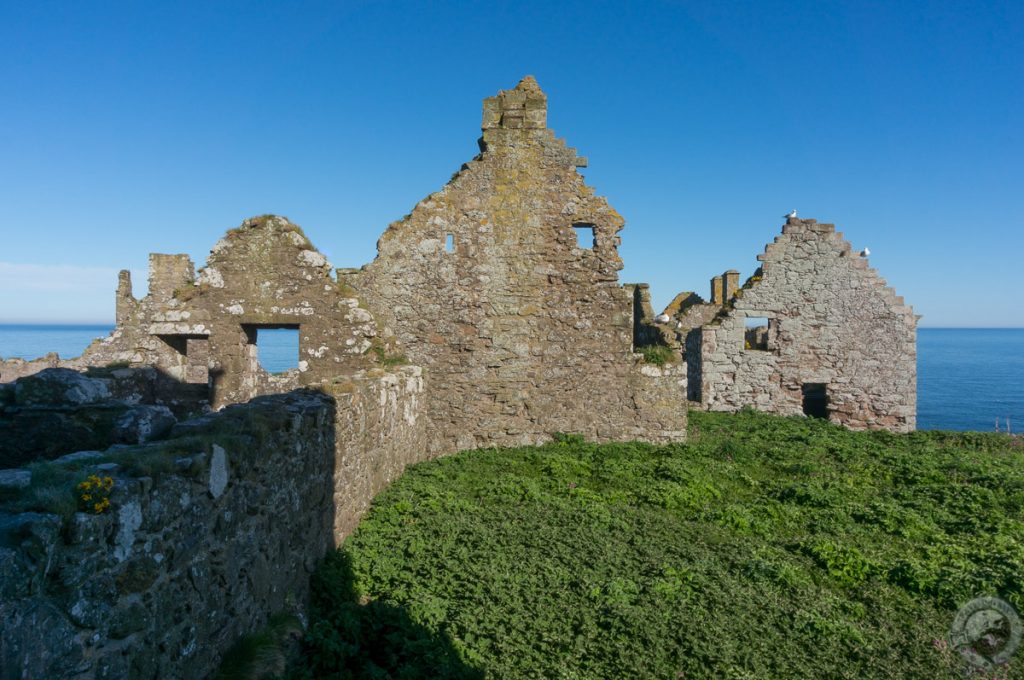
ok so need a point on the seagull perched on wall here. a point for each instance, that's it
(662, 318)
(865, 252)
(792, 214)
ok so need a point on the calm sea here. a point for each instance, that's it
(966, 378)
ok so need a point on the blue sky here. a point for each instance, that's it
(129, 128)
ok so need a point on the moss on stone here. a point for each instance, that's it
(385, 358)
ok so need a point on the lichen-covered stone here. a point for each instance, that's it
(833, 324)
(60, 410)
(15, 479)
(521, 330)
(218, 471)
(140, 424)
(183, 564)
(61, 386)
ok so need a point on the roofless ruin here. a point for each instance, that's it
(521, 330)
(484, 321)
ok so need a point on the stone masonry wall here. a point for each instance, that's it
(203, 330)
(380, 413)
(189, 559)
(521, 331)
(832, 321)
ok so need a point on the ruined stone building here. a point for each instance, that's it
(814, 330)
(503, 286)
(521, 330)
(491, 316)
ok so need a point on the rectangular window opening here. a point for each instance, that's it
(815, 400)
(449, 243)
(193, 352)
(585, 235)
(755, 334)
(277, 346)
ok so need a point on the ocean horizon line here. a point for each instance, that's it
(111, 325)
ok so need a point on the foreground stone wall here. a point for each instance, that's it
(521, 330)
(832, 323)
(220, 536)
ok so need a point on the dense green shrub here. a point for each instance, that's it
(764, 547)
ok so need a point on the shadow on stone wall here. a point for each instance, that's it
(208, 533)
(352, 637)
(59, 411)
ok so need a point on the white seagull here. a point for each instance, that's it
(865, 252)
(792, 213)
(662, 318)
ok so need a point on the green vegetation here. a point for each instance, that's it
(56, 487)
(262, 655)
(765, 547)
(659, 355)
(384, 358)
(186, 293)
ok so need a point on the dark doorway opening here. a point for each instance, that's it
(815, 400)
(277, 346)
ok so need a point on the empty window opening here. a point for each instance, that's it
(755, 335)
(179, 343)
(277, 347)
(193, 353)
(815, 400)
(585, 237)
(449, 243)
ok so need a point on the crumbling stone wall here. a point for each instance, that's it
(832, 322)
(647, 330)
(687, 313)
(189, 559)
(521, 330)
(183, 564)
(59, 410)
(264, 274)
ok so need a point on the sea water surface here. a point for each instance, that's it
(966, 378)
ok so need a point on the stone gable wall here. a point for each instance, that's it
(833, 321)
(263, 274)
(521, 332)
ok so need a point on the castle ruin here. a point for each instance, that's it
(485, 320)
(521, 326)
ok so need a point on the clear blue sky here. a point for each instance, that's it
(128, 128)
